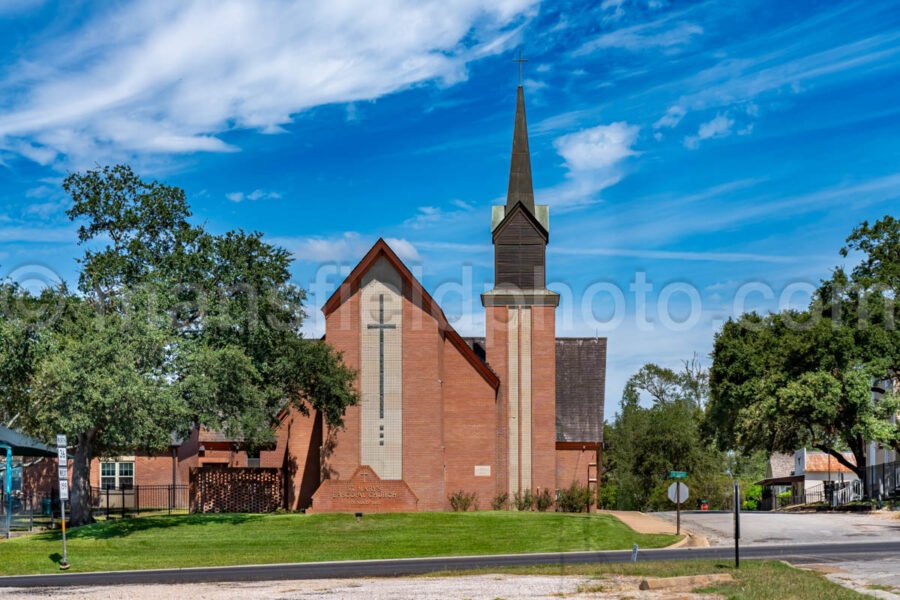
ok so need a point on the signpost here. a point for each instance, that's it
(63, 473)
(737, 525)
(678, 492)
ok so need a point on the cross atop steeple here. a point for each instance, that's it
(520, 60)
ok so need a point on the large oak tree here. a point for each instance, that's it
(172, 328)
(805, 378)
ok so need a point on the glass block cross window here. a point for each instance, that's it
(116, 475)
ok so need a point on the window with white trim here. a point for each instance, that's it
(117, 475)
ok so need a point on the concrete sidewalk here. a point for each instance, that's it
(644, 523)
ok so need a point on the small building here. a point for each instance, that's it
(804, 478)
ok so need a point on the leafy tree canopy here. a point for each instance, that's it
(804, 378)
(174, 328)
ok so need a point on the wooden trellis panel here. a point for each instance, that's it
(234, 490)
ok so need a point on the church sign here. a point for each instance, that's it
(363, 492)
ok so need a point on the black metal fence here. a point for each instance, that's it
(883, 481)
(29, 510)
(140, 499)
(794, 497)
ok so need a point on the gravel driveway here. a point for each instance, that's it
(478, 587)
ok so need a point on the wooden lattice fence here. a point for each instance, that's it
(234, 490)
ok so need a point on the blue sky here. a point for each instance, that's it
(722, 147)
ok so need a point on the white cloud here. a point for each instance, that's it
(169, 77)
(597, 148)
(717, 127)
(594, 158)
(252, 196)
(404, 249)
(346, 248)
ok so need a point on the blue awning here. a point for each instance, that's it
(24, 445)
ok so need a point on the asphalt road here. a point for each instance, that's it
(789, 528)
(414, 566)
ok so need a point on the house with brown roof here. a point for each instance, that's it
(810, 477)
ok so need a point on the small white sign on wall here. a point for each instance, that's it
(482, 470)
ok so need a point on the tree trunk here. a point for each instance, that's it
(859, 454)
(80, 495)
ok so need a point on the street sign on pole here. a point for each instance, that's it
(677, 474)
(63, 473)
(737, 525)
(678, 492)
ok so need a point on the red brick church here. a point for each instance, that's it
(518, 409)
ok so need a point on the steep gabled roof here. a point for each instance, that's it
(509, 216)
(417, 294)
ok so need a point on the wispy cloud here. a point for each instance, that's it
(728, 206)
(717, 127)
(168, 77)
(833, 46)
(643, 37)
(704, 256)
(348, 247)
(252, 196)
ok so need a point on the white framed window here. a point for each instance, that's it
(117, 475)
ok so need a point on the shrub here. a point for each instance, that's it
(461, 501)
(543, 500)
(609, 495)
(523, 501)
(575, 498)
(500, 501)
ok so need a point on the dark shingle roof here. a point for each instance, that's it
(580, 389)
(580, 386)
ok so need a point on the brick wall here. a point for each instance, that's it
(40, 477)
(470, 429)
(572, 465)
(339, 460)
(301, 435)
(495, 343)
(543, 393)
(423, 444)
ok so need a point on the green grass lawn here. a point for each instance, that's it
(210, 540)
(755, 580)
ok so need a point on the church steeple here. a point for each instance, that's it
(520, 189)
